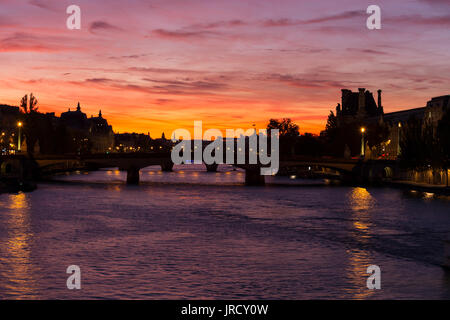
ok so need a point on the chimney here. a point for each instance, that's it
(362, 99)
(345, 95)
(379, 99)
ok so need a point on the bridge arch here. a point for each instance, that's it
(388, 173)
(10, 167)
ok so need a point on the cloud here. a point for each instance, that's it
(186, 84)
(305, 82)
(219, 24)
(341, 16)
(102, 26)
(27, 42)
(301, 50)
(130, 56)
(6, 21)
(443, 20)
(163, 70)
(185, 87)
(181, 34)
(436, 2)
(99, 80)
(43, 4)
(368, 51)
(284, 22)
(204, 30)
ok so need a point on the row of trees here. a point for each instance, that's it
(348, 137)
(53, 137)
(292, 143)
(423, 145)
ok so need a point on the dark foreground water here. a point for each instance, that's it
(190, 234)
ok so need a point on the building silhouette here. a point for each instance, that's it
(360, 108)
(94, 130)
(72, 132)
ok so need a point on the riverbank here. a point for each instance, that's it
(14, 186)
(421, 187)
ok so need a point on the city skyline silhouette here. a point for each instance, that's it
(162, 65)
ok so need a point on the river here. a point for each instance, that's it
(190, 234)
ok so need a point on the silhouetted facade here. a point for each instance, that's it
(93, 133)
(76, 120)
(357, 106)
(101, 134)
(360, 109)
(9, 116)
(139, 142)
(72, 132)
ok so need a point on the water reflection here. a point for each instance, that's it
(361, 202)
(359, 260)
(179, 229)
(18, 274)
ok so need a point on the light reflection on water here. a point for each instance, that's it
(193, 234)
(361, 202)
(17, 272)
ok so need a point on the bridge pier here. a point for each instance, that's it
(211, 167)
(254, 178)
(167, 166)
(18, 173)
(133, 175)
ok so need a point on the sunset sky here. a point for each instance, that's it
(159, 65)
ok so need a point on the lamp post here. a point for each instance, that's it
(399, 137)
(19, 142)
(363, 130)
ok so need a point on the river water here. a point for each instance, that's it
(192, 234)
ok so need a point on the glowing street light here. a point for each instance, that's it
(363, 130)
(19, 124)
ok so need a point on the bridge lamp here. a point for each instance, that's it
(363, 130)
(19, 124)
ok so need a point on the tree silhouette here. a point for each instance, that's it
(288, 133)
(331, 125)
(30, 114)
(418, 145)
(376, 134)
(31, 107)
(286, 127)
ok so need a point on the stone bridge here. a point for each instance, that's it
(130, 162)
(346, 170)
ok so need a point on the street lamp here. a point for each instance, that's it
(20, 134)
(398, 138)
(363, 130)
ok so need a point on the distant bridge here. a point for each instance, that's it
(347, 170)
